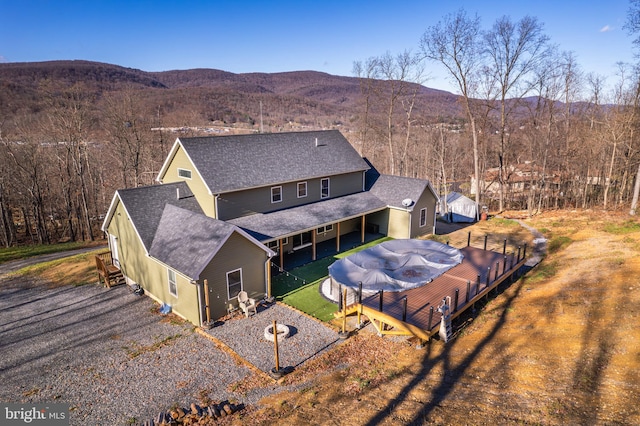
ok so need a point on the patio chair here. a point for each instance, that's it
(246, 303)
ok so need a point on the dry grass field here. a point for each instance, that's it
(560, 346)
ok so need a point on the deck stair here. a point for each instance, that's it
(108, 273)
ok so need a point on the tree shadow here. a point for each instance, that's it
(452, 373)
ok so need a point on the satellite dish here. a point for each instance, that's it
(407, 202)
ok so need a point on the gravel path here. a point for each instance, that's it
(112, 358)
(14, 265)
(245, 336)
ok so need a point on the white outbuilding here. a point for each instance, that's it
(460, 208)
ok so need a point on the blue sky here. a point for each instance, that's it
(275, 36)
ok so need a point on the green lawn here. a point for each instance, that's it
(301, 287)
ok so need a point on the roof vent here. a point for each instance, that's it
(407, 202)
(319, 143)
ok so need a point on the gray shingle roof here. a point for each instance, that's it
(393, 189)
(145, 205)
(291, 221)
(228, 163)
(187, 241)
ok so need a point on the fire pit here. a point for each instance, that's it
(283, 332)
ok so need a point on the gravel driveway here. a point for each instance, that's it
(112, 358)
(105, 353)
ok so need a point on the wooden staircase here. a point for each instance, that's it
(108, 274)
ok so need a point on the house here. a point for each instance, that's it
(229, 209)
(519, 180)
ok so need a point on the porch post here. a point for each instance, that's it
(338, 237)
(207, 307)
(281, 253)
(313, 244)
(362, 230)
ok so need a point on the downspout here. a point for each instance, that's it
(434, 221)
(267, 274)
(215, 205)
(409, 213)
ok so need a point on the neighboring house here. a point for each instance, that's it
(519, 180)
(229, 206)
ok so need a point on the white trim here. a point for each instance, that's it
(306, 189)
(133, 225)
(180, 169)
(174, 280)
(324, 229)
(113, 246)
(285, 241)
(423, 223)
(279, 188)
(172, 153)
(241, 283)
(328, 188)
(110, 212)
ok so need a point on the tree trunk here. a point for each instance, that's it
(636, 190)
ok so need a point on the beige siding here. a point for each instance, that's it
(258, 200)
(148, 273)
(181, 161)
(398, 223)
(428, 202)
(238, 252)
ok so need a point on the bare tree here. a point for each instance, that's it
(514, 50)
(367, 74)
(68, 126)
(454, 42)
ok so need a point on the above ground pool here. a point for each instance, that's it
(394, 265)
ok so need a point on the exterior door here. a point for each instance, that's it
(113, 244)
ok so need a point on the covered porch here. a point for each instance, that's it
(322, 249)
(306, 233)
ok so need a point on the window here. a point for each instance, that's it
(302, 189)
(184, 173)
(302, 240)
(324, 188)
(423, 217)
(273, 245)
(173, 287)
(234, 283)
(276, 194)
(325, 229)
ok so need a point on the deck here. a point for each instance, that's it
(415, 312)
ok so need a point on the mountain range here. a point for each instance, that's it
(200, 96)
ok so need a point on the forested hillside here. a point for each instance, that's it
(72, 132)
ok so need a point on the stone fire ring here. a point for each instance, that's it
(283, 332)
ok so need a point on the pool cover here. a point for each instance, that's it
(395, 265)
